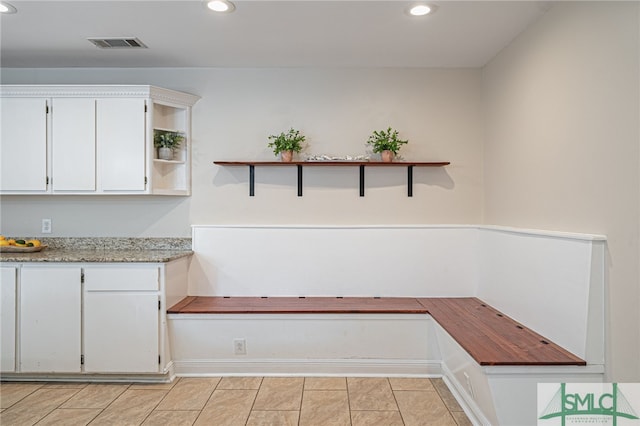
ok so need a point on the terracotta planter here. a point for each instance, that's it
(387, 156)
(286, 156)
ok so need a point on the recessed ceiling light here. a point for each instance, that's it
(421, 9)
(221, 6)
(7, 8)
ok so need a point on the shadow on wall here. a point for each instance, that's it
(333, 177)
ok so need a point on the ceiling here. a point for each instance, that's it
(261, 33)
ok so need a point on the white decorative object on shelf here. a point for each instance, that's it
(337, 158)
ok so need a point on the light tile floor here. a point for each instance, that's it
(247, 401)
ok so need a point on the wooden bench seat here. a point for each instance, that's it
(297, 305)
(487, 335)
(491, 337)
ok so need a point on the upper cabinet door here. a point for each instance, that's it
(23, 145)
(120, 131)
(73, 144)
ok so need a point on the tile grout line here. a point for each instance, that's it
(393, 392)
(304, 384)
(55, 408)
(205, 404)
(443, 402)
(30, 393)
(102, 410)
(159, 402)
(207, 401)
(253, 404)
(346, 382)
(349, 400)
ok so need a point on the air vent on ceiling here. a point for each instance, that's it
(117, 42)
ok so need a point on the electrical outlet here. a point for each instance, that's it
(239, 346)
(46, 226)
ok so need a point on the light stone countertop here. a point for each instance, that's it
(86, 255)
(104, 250)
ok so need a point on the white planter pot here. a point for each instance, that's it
(165, 153)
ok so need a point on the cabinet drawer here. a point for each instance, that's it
(122, 279)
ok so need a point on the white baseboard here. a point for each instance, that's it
(89, 378)
(469, 406)
(308, 367)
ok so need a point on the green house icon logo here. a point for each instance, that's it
(565, 404)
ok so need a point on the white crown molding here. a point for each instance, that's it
(97, 91)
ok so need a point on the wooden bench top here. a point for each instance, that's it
(490, 337)
(297, 305)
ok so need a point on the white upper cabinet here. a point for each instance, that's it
(73, 145)
(120, 134)
(93, 140)
(23, 145)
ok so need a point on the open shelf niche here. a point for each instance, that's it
(172, 176)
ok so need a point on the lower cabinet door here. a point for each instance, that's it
(50, 319)
(121, 332)
(8, 319)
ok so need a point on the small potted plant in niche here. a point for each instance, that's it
(387, 143)
(167, 142)
(286, 144)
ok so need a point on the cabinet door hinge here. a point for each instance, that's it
(81, 359)
(46, 108)
(159, 360)
(47, 180)
(82, 277)
(145, 181)
(145, 107)
(158, 305)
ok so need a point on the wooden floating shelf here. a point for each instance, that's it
(361, 164)
(334, 163)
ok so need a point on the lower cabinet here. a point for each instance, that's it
(87, 318)
(50, 320)
(8, 279)
(121, 320)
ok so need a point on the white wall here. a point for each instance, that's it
(385, 261)
(437, 110)
(562, 145)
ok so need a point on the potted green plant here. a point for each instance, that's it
(167, 142)
(386, 142)
(286, 144)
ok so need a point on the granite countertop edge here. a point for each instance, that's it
(105, 249)
(98, 256)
